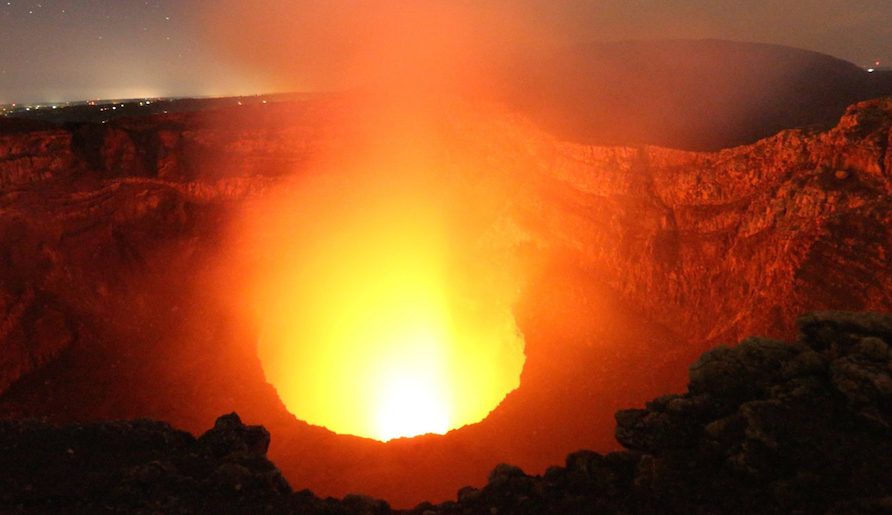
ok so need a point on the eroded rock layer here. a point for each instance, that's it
(105, 231)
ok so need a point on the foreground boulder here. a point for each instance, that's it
(765, 427)
(144, 466)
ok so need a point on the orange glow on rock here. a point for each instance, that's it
(384, 303)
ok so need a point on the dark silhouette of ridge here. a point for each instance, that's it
(685, 94)
(688, 94)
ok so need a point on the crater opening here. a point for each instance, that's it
(384, 302)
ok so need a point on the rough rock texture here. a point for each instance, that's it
(106, 231)
(732, 243)
(765, 427)
(145, 466)
(85, 211)
(735, 242)
(727, 244)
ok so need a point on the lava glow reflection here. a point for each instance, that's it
(382, 315)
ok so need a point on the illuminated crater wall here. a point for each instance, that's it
(111, 311)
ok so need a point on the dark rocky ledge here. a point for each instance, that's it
(766, 427)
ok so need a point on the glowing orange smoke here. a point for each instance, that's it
(385, 307)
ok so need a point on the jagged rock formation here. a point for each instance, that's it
(105, 231)
(716, 233)
(81, 206)
(738, 241)
(765, 427)
(145, 466)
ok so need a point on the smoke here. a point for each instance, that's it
(384, 44)
(381, 282)
(554, 63)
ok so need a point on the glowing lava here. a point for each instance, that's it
(383, 314)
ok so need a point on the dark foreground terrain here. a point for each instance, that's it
(765, 427)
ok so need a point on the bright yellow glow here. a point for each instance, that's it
(384, 312)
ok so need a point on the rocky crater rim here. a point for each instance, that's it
(805, 425)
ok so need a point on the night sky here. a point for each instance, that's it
(54, 50)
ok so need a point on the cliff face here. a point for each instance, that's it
(738, 241)
(34, 156)
(105, 231)
(89, 212)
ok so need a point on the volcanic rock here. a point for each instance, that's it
(106, 311)
(811, 435)
(713, 241)
(139, 466)
(144, 466)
